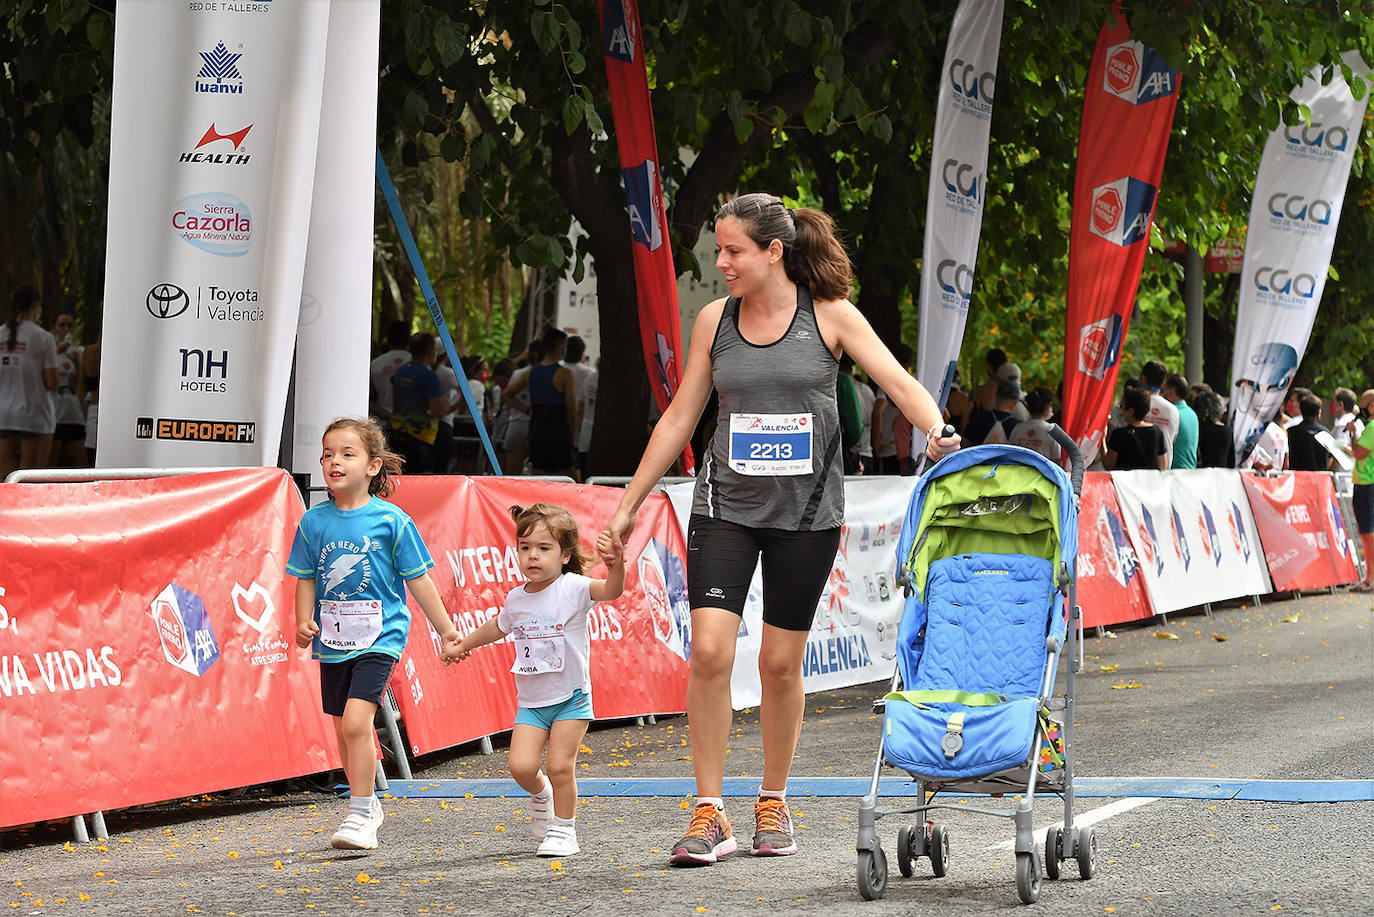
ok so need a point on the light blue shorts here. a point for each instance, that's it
(577, 707)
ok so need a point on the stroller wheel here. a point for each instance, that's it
(939, 850)
(906, 857)
(1052, 854)
(1028, 877)
(872, 873)
(1087, 853)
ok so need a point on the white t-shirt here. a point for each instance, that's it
(379, 373)
(448, 384)
(1341, 435)
(547, 626)
(866, 401)
(586, 393)
(1274, 441)
(1034, 434)
(24, 403)
(66, 405)
(1164, 415)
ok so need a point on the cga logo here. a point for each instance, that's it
(166, 300)
(1121, 210)
(1137, 74)
(183, 627)
(1277, 281)
(955, 279)
(1318, 136)
(971, 83)
(219, 71)
(214, 222)
(1099, 346)
(962, 179)
(620, 30)
(1295, 207)
(646, 206)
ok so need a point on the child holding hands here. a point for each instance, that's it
(547, 617)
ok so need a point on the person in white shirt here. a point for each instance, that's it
(1034, 434)
(381, 369)
(1163, 414)
(584, 390)
(1346, 425)
(28, 372)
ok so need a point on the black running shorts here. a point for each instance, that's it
(364, 677)
(1364, 509)
(721, 557)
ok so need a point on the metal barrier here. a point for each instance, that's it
(1345, 495)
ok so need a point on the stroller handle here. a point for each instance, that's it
(1066, 443)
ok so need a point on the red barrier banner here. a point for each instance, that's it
(1302, 530)
(1128, 108)
(147, 643)
(660, 323)
(640, 642)
(1110, 587)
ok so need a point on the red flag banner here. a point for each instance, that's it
(640, 642)
(147, 643)
(1128, 107)
(1302, 530)
(1111, 588)
(655, 276)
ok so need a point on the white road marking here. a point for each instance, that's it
(1101, 813)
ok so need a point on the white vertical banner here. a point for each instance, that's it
(853, 638)
(214, 125)
(1294, 213)
(333, 345)
(954, 206)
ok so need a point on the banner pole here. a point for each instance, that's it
(413, 253)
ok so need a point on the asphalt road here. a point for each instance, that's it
(1287, 696)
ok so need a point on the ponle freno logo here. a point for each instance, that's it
(1137, 74)
(214, 222)
(166, 300)
(223, 149)
(1121, 210)
(219, 71)
(183, 627)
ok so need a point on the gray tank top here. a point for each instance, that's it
(774, 460)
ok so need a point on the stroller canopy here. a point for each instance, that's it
(996, 499)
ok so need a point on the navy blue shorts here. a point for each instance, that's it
(363, 677)
(721, 557)
(1363, 499)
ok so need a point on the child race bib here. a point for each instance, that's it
(539, 649)
(350, 626)
(771, 445)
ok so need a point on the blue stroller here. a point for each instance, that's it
(986, 557)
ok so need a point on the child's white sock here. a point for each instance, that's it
(773, 794)
(713, 800)
(362, 805)
(546, 792)
(570, 822)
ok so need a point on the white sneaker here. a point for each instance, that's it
(358, 832)
(541, 815)
(560, 841)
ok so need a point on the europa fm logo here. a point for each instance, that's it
(183, 626)
(641, 190)
(1137, 74)
(1121, 210)
(620, 30)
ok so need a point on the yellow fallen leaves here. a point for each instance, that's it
(1291, 619)
(1108, 668)
(276, 864)
(1165, 635)
(1220, 638)
(365, 879)
(1126, 685)
(555, 864)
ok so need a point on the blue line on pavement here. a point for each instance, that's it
(1173, 788)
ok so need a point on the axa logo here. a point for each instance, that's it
(620, 30)
(971, 81)
(166, 300)
(1099, 346)
(219, 71)
(234, 156)
(1334, 138)
(1299, 209)
(1280, 281)
(1121, 211)
(1137, 74)
(646, 206)
(962, 179)
(183, 628)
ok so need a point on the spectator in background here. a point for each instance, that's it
(1137, 443)
(1034, 434)
(417, 403)
(986, 392)
(69, 437)
(496, 407)
(1162, 414)
(1346, 426)
(28, 372)
(996, 424)
(864, 390)
(380, 370)
(1364, 490)
(1012, 373)
(1185, 443)
(958, 406)
(1216, 447)
(553, 408)
(885, 416)
(574, 358)
(516, 398)
(851, 420)
(1304, 452)
(88, 393)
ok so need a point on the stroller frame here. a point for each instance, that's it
(928, 839)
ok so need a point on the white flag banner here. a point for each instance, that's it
(853, 638)
(1193, 534)
(214, 126)
(1293, 218)
(954, 206)
(334, 342)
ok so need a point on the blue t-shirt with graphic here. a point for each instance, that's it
(359, 555)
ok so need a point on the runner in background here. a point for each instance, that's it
(354, 556)
(771, 483)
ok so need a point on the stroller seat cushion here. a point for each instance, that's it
(986, 620)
